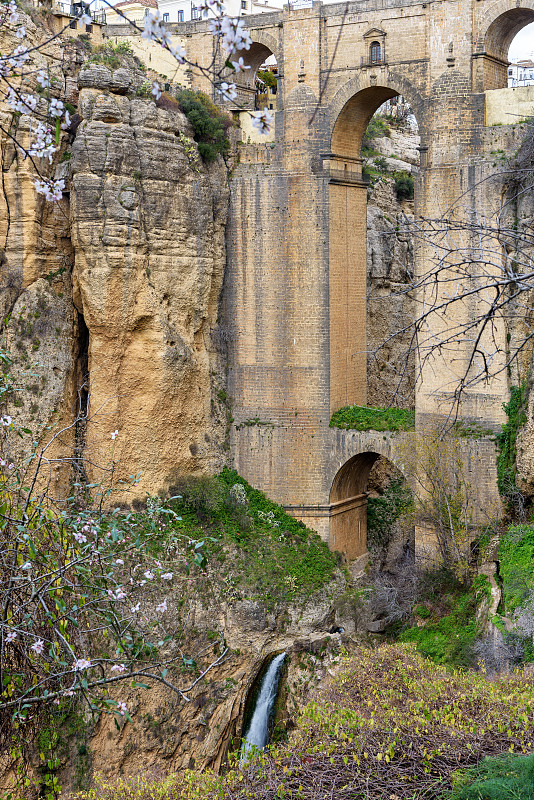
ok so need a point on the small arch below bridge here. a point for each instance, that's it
(368, 478)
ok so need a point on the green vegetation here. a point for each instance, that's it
(256, 548)
(390, 724)
(210, 124)
(450, 628)
(377, 127)
(470, 430)
(268, 78)
(507, 442)
(506, 777)
(516, 557)
(113, 55)
(384, 511)
(404, 186)
(361, 418)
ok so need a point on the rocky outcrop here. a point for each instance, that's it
(148, 234)
(113, 294)
(168, 733)
(390, 262)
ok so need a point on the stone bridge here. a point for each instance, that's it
(294, 302)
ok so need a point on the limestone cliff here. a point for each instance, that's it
(111, 296)
(390, 263)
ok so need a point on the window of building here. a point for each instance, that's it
(194, 12)
(165, 18)
(376, 54)
(244, 5)
(180, 16)
(510, 72)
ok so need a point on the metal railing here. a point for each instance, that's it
(73, 10)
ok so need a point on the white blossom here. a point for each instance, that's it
(42, 145)
(38, 647)
(167, 576)
(227, 90)
(43, 79)
(118, 668)
(20, 33)
(262, 121)
(114, 435)
(56, 108)
(27, 565)
(156, 90)
(135, 609)
(239, 65)
(6, 421)
(11, 636)
(52, 190)
(85, 19)
(149, 575)
(23, 103)
(162, 607)
(122, 708)
(80, 537)
(81, 663)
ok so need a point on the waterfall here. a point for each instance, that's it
(257, 733)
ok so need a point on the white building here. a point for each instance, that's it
(521, 73)
(186, 10)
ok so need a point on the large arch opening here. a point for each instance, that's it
(348, 262)
(370, 505)
(492, 59)
(256, 87)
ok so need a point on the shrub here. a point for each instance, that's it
(404, 186)
(384, 511)
(209, 124)
(377, 127)
(361, 418)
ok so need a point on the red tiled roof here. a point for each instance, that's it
(149, 3)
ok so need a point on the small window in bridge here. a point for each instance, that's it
(376, 55)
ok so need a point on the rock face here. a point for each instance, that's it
(168, 733)
(390, 261)
(148, 234)
(114, 295)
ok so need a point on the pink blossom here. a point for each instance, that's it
(122, 708)
(118, 668)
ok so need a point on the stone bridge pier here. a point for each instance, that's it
(294, 300)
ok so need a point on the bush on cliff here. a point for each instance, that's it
(209, 124)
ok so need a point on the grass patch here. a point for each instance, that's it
(361, 418)
(450, 631)
(255, 548)
(507, 777)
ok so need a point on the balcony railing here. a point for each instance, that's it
(73, 10)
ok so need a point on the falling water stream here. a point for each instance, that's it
(257, 733)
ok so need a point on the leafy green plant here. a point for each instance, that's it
(505, 777)
(404, 186)
(209, 124)
(507, 442)
(362, 418)
(384, 511)
(377, 127)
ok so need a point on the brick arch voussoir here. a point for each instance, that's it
(394, 81)
(260, 36)
(491, 14)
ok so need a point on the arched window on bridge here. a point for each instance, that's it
(507, 42)
(376, 52)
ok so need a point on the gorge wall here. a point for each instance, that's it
(110, 297)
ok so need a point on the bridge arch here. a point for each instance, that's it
(351, 110)
(348, 502)
(496, 30)
(263, 46)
